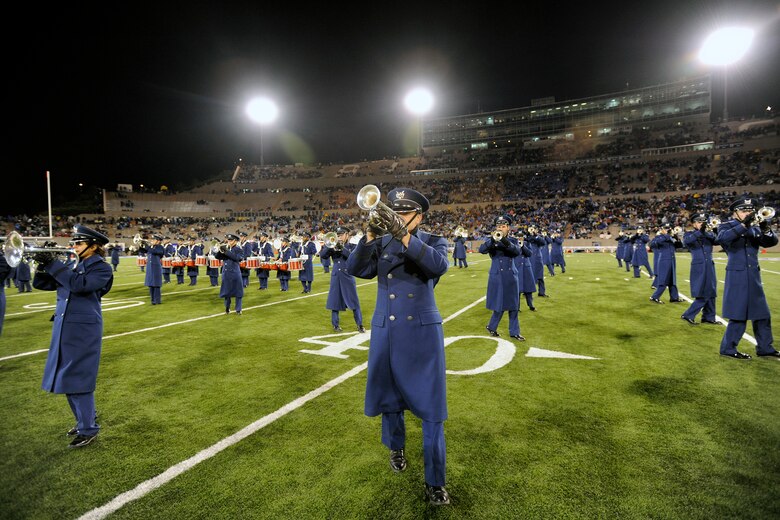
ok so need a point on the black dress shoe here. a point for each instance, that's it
(771, 354)
(711, 322)
(337, 329)
(397, 460)
(656, 300)
(532, 309)
(238, 312)
(361, 329)
(437, 495)
(227, 311)
(677, 300)
(518, 337)
(544, 295)
(688, 320)
(73, 431)
(81, 440)
(737, 355)
(493, 333)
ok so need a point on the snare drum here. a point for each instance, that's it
(167, 262)
(267, 264)
(201, 260)
(178, 261)
(215, 262)
(253, 262)
(295, 264)
(242, 264)
(140, 261)
(189, 262)
(282, 266)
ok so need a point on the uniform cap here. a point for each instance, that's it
(699, 217)
(406, 199)
(87, 234)
(231, 236)
(503, 219)
(341, 230)
(743, 203)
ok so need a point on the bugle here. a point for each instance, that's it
(14, 249)
(331, 239)
(497, 235)
(380, 216)
(765, 213)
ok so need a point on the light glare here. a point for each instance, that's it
(262, 110)
(419, 101)
(726, 46)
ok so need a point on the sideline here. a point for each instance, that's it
(163, 478)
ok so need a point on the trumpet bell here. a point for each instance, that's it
(13, 248)
(331, 239)
(368, 197)
(497, 235)
(765, 213)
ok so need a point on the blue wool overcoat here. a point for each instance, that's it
(628, 248)
(743, 295)
(154, 269)
(525, 274)
(307, 273)
(77, 334)
(460, 249)
(285, 254)
(232, 285)
(704, 283)
(406, 365)
(556, 251)
(639, 256)
(664, 260)
(535, 244)
(343, 289)
(503, 290)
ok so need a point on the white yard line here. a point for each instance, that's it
(166, 476)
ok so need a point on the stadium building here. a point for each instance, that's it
(658, 106)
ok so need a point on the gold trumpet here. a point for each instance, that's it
(14, 249)
(765, 213)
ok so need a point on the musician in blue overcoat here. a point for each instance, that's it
(628, 250)
(246, 251)
(526, 281)
(114, 256)
(459, 252)
(232, 285)
(212, 272)
(620, 249)
(545, 249)
(286, 253)
(556, 252)
(5, 272)
(406, 364)
(535, 242)
(704, 282)
(639, 257)
(664, 245)
(77, 334)
(503, 288)
(183, 252)
(266, 253)
(193, 270)
(307, 253)
(169, 251)
(342, 294)
(743, 295)
(153, 279)
(23, 276)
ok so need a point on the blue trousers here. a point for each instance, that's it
(434, 446)
(673, 293)
(540, 284)
(637, 267)
(238, 303)
(529, 299)
(707, 304)
(83, 408)
(334, 317)
(514, 322)
(461, 262)
(156, 295)
(263, 281)
(762, 330)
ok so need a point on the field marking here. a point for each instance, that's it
(191, 320)
(166, 476)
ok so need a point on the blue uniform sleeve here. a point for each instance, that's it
(363, 261)
(97, 277)
(431, 258)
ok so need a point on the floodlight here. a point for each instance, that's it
(419, 101)
(726, 46)
(262, 110)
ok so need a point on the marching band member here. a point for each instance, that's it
(306, 275)
(154, 270)
(639, 257)
(77, 334)
(23, 276)
(704, 282)
(212, 272)
(342, 294)
(183, 252)
(193, 270)
(503, 290)
(325, 262)
(284, 256)
(246, 252)
(406, 364)
(459, 252)
(535, 242)
(266, 252)
(545, 248)
(628, 250)
(664, 245)
(620, 249)
(114, 250)
(526, 280)
(170, 251)
(743, 296)
(556, 252)
(232, 286)
(5, 271)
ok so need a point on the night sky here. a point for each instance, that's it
(156, 95)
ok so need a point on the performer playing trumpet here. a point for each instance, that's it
(232, 286)
(704, 283)
(663, 246)
(503, 290)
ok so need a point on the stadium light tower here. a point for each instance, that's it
(262, 111)
(419, 101)
(722, 48)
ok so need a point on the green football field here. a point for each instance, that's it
(613, 408)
